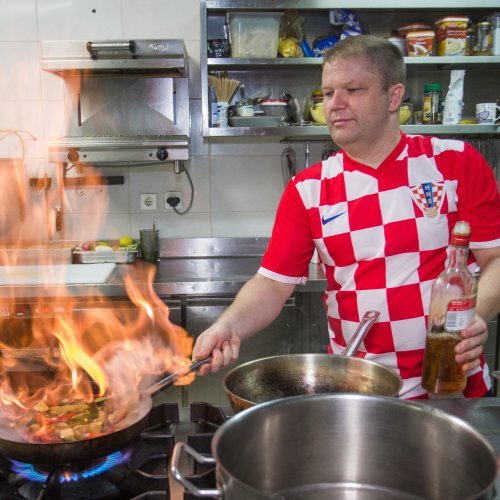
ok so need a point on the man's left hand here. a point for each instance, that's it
(469, 350)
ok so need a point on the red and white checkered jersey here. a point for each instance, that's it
(382, 237)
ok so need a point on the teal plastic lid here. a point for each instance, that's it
(432, 87)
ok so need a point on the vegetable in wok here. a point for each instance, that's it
(71, 422)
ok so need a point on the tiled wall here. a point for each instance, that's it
(237, 182)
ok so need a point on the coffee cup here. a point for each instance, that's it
(486, 113)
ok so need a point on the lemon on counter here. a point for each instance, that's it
(125, 241)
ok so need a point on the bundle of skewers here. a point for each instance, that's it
(224, 87)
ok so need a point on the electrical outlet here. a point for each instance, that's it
(173, 194)
(148, 201)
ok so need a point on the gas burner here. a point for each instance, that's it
(143, 469)
(73, 473)
(138, 472)
(207, 419)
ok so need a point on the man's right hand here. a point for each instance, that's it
(257, 304)
(219, 341)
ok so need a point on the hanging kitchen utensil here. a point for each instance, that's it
(59, 453)
(308, 152)
(328, 150)
(288, 159)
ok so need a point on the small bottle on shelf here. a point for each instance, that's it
(432, 112)
(212, 100)
(452, 308)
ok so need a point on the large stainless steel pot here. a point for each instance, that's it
(346, 446)
(282, 376)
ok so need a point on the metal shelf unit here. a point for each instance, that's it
(286, 70)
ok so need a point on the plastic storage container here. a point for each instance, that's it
(254, 34)
(420, 43)
(451, 34)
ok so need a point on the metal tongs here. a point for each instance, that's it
(173, 377)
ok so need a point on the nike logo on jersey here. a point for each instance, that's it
(333, 217)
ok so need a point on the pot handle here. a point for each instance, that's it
(366, 323)
(177, 474)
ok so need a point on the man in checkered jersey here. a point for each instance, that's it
(380, 214)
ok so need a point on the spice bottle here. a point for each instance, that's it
(431, 110)
(212, 99)
(469, 41)
(452, 308)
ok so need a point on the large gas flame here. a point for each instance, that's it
(63, 361)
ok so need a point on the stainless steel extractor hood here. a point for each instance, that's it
(126, 102)
(165, 57)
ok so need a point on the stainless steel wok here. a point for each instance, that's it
(283, 376)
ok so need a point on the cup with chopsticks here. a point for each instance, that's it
(224, 90)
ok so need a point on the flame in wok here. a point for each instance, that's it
(113, 352)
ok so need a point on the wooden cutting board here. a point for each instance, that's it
(59, 274)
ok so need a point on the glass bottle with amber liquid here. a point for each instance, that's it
(452, 308)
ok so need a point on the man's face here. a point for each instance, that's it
(356, 108)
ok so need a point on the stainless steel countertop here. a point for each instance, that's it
(194, 266)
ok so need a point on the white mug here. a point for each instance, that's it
(486, 112)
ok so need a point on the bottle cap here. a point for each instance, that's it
(461, 233)
(432, 87)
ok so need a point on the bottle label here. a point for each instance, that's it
(427, 109)
(459, 314)
(222, 113)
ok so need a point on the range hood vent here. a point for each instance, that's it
(148, 57)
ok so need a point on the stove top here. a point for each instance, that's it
(138, 472)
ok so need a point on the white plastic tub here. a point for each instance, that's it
(254, 34)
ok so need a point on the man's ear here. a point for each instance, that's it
(396, 93)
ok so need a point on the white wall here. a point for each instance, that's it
(237, 182)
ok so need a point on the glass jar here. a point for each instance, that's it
(469, 41)
(483, 39)
(432, 107)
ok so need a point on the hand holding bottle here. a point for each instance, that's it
(469, 349)
(451, 313)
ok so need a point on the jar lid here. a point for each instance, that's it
(448, 19)
(405, 29)
(432, 87)
(243, 102)
(420, 34)
(414, 26)
(274, 102)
